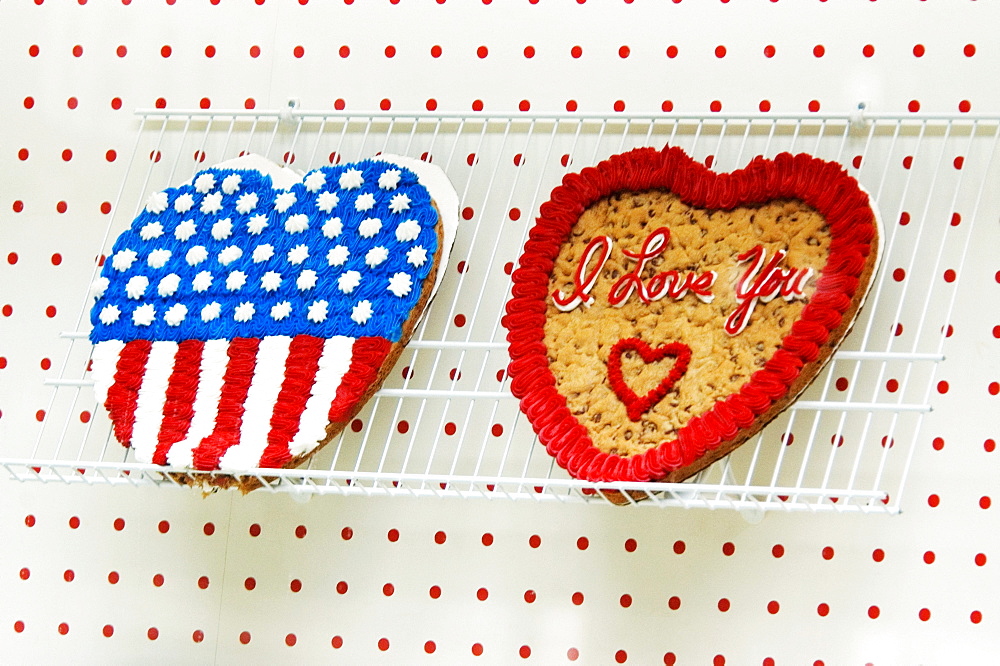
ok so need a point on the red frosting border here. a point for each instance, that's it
(823, 185)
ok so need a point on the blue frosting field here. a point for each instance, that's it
(389, 311)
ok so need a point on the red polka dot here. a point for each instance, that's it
(487, 539)
(250, 583)
(924, 614)
(874, 612)
(958, 162)
(621, 656)
(576, 51)
(929, 557)
(477, 649)
(989, 445)
(823, 609)
(919, 50)
(878, 554)
(994, 387)
(624, 51)
(298, 51)
(942, 387)
(482, 594)
(524, 651)
(814, 106)
(773, 607)
(819, 51)
(965, 106)
(769, 51)
(440, 537)
(937, 443)
(672, 51)
(434, 592)
(625, 600)
(976, 617)
(674, 603)
(383, 644)
(482, 52)
(778, 550)
(535, 541)
(77, 51)
(459, 320)
(255, 51)
(828, 553)
(933, 500)
(577, 598)
(631, 545)
(724, 605)
(403, 427)
(980, 559)
(357, 425)
(985, 502)
(720, 51)
(908, 161)
(158, 580)
(868, 50)
(63, 628)
(163, 526)
(715, 106)
(388, 589)
(430, 647)
(346, 534)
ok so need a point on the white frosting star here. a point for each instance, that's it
(389, 179)
(332, 227)
(370, 227)
(306, 280)
(212, 203)
(298, 254)
(144, 315)
(110, 314)
(158, 258)
(185, 230)
(270, 281)
(136, 286)
(202, 281)
(211, 311)
(408, 231)
(317, 311)
(256, 224)
(175, 314)
(399, 202)
(348, 281)
(196, 255)
(231, 183)
(362, 312)
(297, 223)
(99, 286)
(283, 201)
(400, 284)
(364, 202)
(376, 256)
(416, 256)
(168, 285)
(150, 231)
(246, 202)
(314, 181)
(244, 311)
(157, 202)
(337, 255)
(204, 183)
(236, 280)
(281, 310)
(230, 254)
(327, 201)
(222, 229)
(351, 179)
(262, 253)
(123, 259)
(183, 202)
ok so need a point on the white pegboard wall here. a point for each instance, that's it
(912, 588)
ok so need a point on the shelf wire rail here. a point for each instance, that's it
(445, 423)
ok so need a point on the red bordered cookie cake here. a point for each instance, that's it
(663, 313)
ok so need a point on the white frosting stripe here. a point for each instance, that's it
(268, 376)
(152, 395)
(214, 360)
(103, 361)
(333, 364)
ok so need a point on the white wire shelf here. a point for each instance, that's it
(445, 425)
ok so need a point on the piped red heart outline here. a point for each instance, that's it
(636, 405)
(824, 186)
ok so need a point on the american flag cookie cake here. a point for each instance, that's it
(247, 315)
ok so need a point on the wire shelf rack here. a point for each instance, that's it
(445, 424)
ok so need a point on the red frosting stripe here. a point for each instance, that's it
(181, 390)
(304, 352)
(124, 392)
(235, 386)
(366, 361)
(823, 185)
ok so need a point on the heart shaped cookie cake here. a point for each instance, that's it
(663, 313)
(246, 316)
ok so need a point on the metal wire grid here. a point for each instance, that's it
(445, 423)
